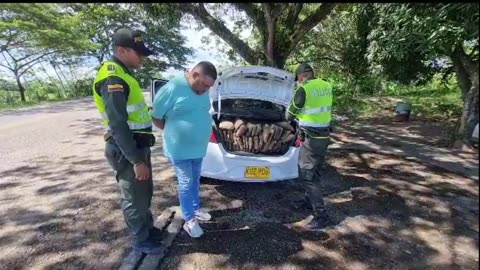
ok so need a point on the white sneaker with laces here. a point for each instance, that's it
(193, 228)
(202, 215)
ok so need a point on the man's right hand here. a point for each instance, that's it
(142, 172)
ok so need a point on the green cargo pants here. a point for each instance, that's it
(136, 196)
(310, 162)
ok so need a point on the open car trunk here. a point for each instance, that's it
(248, 109)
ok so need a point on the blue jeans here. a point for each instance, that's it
(188, 175)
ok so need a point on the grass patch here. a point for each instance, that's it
(433, 102)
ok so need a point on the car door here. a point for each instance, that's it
(155, 86)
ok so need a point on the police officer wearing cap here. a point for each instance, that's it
(312, 108)
(119, 99)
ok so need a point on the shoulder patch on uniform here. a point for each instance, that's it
(115, 87)
(111, 68)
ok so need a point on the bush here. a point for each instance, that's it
(435, 100)
(8, 93)
(81, 88)
(9, 97)
(37, 95)
(43, 91)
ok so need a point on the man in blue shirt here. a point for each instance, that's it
(181, 107)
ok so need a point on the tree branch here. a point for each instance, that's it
(24, 58)
(9, 40)
(35, 59)
(7, 67)
(257, 17)
(6, 61)
(329, 47)
(201, 14)
(15, 62)
(447, 75)
(26, 68)
(308, 23)
(292, 16)
(328, 58)
(253, 12)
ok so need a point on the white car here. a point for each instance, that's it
(270, 90)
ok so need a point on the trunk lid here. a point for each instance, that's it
(254, 82)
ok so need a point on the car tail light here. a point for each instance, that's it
(213, 139)
(298, 142)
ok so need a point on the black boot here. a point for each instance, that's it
(148, 246)
(303, 204)
(155, 234)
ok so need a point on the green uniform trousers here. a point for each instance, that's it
(310, 162)
(136, 196)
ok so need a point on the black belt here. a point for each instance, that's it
(314, 132)
(142, 140)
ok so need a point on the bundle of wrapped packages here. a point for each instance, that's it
(257, 137)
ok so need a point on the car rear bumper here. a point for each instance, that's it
(221, 165)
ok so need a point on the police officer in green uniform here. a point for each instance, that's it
(312, 108)
(125, 114)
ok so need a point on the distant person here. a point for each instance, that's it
(181, 107)
(120, 101)
(312, 107)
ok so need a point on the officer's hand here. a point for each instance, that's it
(142, 172)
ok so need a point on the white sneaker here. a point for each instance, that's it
(202, 215)
(193, 228)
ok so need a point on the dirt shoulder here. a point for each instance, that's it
(390, 213)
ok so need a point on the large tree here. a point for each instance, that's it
(414, 33)
(279, 26)
(31, 32)
(100, 20)
(340, 45)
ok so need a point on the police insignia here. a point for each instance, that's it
(111, 69)
(115, 88)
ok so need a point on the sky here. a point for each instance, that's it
(194, 41)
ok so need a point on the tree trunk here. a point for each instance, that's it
(281, 59)
(470, 110)
(59, 78)
(21, 89)
(467, 73)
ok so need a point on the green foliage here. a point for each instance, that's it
(434, 100)
(29, 33)
(406, 37)
(41, 26)
(339, 47)
(42, 91)
(7, 85)
(60, 33)
(100, 20)
(8, 94)
(81, 88)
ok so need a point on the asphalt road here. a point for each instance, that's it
(58, 196)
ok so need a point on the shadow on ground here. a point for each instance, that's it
(63, 212)
(389, 213)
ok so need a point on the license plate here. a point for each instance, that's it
(255, 172)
